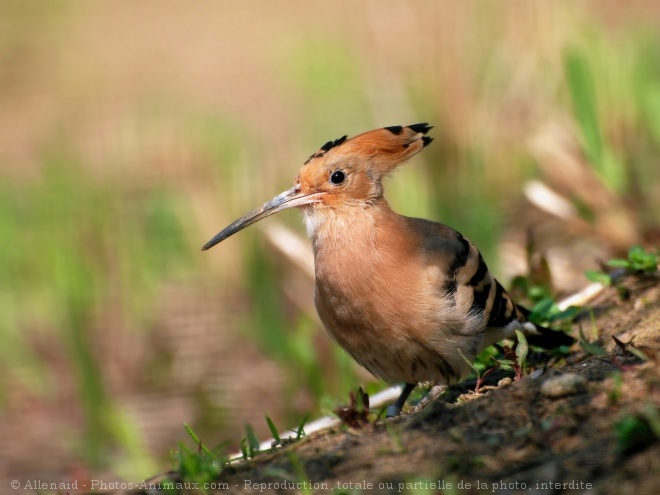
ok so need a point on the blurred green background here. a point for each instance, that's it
(133, 131)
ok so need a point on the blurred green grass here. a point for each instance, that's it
(71, 245)
(89, 240)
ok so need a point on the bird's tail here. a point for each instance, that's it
(542, 336)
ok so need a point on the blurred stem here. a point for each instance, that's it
(580, 80)
(78, 300)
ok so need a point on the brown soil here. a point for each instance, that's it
(520, 437)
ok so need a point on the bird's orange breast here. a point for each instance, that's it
(381, 297)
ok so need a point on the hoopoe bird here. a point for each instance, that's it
(405, 297)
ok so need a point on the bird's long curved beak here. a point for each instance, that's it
(288, 199)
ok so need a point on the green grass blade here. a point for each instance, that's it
(273, 430)
(197, 440)
(301, 427)
(244, 449)
(582, 89)
(252, 440)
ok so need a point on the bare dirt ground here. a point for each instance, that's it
(588, 425)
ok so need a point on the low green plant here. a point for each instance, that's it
(277, 440)
(508, 358)
(535, 287)
(484, 359)
(638, 431)
(249, 443)
(201, 465)
(300, 432)
(477, 369)
(514, 359)
(546, 312)
(598, 277)
(638, 262)
(592, 348)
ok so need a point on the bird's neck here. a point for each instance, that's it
(352, 227)
(351, 244)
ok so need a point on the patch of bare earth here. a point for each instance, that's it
(560, 432)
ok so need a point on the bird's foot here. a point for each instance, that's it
(393, 410)
(396, 408)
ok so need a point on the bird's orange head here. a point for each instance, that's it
(341, 173)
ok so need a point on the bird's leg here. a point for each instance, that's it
(396, 408)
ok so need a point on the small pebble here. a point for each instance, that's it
(562, 385)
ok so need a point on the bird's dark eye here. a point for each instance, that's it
(337, 177)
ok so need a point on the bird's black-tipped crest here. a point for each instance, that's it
(423, 127)
(331, 144)
(326, 147)
(395, 129)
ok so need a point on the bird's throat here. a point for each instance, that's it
(347, 231)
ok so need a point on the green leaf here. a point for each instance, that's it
(598, 277)
(542, 311)
(522, 348)
(638, 353)
(567, 314)
(594, 349)
(244, 449)
(197, 441)
(544, 306)
(642, 260)
(484, 359)
(301, 427)
(537, 294)
(252, 440)
(191, 433)
(634, 433)
(619, 263)
(273, 430)
(591, 348)
(638, 260)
